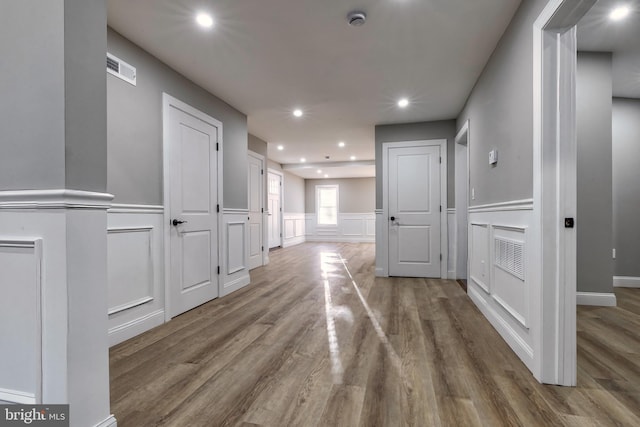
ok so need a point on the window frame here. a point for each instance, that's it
(318, 191)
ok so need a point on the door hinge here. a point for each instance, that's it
(440, 159)
(262, 210)
(280, 234)
(261, 171)
(217, 208)
(218, 269)
(263, 249)
(440, 257)
(217, 146)
(440, 208)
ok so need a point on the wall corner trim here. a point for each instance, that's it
(607, 299)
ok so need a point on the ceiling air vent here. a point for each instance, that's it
(121, 69)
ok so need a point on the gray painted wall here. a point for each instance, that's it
(626, 186)
(500, 113)
(444, 129)
(356, 195)
(594, 216)
(134, 124)
(33, 91)
(293, 193)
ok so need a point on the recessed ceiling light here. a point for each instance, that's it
(403, 103)
(204, 20)
(353, 157)
(302, 159)
(619, 13)
(280, 147)
(326, 176)
(341, 144)
(297, 112)
(319, 171)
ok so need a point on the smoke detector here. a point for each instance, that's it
(356, 18)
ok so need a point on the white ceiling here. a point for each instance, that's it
(268, 57)
(596, 32)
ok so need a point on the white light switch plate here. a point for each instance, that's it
(493, 157)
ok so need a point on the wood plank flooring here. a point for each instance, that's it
(305, 345)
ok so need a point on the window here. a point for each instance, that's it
(327, 204)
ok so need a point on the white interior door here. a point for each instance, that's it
(414, 211)
(275, 210)
(256, 201)
(193, 198)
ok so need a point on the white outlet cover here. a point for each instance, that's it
(493, 157)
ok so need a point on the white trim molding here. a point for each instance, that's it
(626, 282)
(54, 199)
(606, 299)
(110, 421)
(234, 272)
(351, 227)
(513, 205)
(135, 209)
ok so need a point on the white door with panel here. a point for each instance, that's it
(193, 193)
(414, 211)
(275, 210)
(256, 208)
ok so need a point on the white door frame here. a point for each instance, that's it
(281, 221)
(442, 143)
(462, 187)
(169, 101)
(554, 188)
(263, 182)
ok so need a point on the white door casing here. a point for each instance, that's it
(414, 210)
(462, 201)
(192, 168)
(275, 209)
(256, 208)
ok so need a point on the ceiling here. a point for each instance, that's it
(596, 32)
(267, 58)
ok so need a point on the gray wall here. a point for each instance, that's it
(594, 216)
(356, 195)
(500, 113)
(626, 186)
(134, 124)
(53, 113)
(444, 129)
(293, 193)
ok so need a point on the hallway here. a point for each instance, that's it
(306, 345)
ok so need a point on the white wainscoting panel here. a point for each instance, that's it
(235, 250)
(294, 229)
(135, 270)
(351, 227)
(499, 263)
(21, 321)
(451, 259)
(604, 299)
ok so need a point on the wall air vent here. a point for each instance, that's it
(509, 255)
(121, 69)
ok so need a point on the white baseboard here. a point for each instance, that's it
(511, 337)
(293, 241)
(110, 421)
(598, 299)
(451, 275)
(135, 327)
(626, 282)
(380, 272)
(235, 284)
